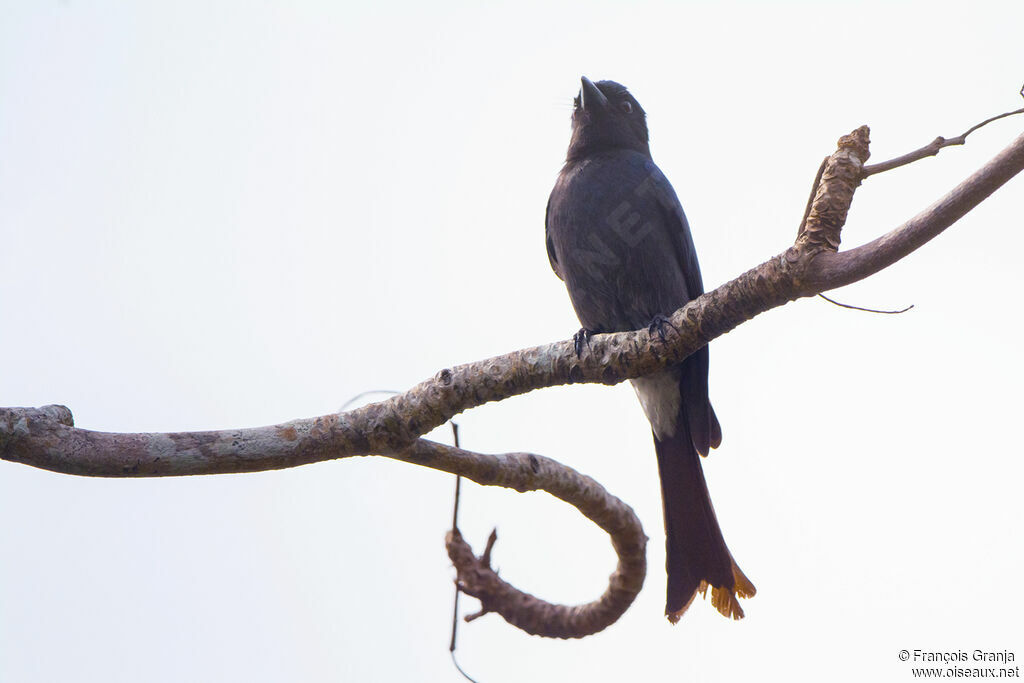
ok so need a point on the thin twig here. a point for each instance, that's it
(814, 191)
(933, 147)
(464, 674)
(868, 310)
(455, 621)
(491, 540)
(370, 392)
(458, 479)
(476, 615)
(455, 526)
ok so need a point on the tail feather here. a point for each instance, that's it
(696, 555)
(705, 431)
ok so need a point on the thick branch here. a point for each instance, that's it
(53, 426)
(835, 183)
(831, 270)
(527, 472)
(36, 438)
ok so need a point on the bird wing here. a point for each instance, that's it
(703, 423)
(676, 223)
(552, 258)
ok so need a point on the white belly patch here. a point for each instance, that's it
(659, 396)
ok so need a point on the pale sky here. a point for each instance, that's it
(233, 214)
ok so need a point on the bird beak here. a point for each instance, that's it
(591, 99)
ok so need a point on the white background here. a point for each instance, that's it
(225, 214)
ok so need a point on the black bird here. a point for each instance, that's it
(617, 236)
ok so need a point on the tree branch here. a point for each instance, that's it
(526, 472)
(933, 147)
(831, 270)
(49, 431)
(46, 437)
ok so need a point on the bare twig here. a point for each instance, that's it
(810, 197)
(455, 599)
(363, 394)
(933, 147)
(459, 669)
(483, 611)
(866, 310)
(492, 538)
(455, 525)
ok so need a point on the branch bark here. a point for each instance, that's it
(46, 437)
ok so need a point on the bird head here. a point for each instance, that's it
(605, 117)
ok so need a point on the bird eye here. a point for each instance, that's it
(626, 106)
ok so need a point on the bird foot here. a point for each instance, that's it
(581, 339)
(658, 324)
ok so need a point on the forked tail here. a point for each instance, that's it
(696, 554)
